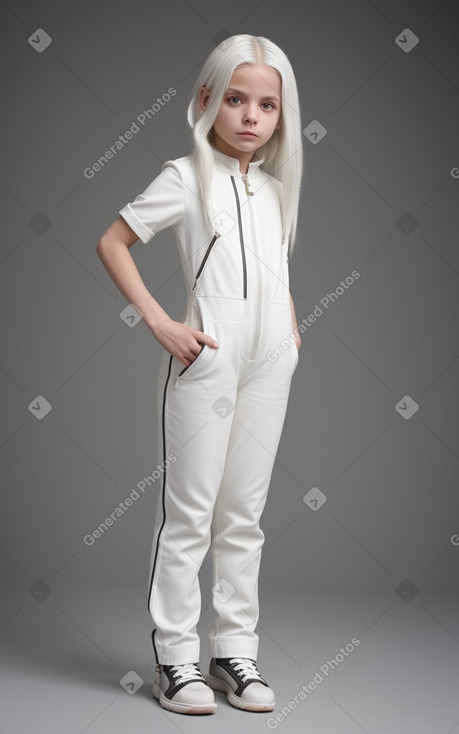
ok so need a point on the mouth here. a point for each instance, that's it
(248, 134)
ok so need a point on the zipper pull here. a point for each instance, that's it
(248, 191)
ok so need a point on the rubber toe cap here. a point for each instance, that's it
(195, 693)
(258, 693)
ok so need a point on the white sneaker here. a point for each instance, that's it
(241, 680)
(183, 689)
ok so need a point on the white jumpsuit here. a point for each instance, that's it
(220, 418)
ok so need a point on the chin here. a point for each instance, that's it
(252, 141)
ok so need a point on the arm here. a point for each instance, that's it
(113, 250)
(179, 339)
(294, 324)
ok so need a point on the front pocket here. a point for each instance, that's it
(187, 367)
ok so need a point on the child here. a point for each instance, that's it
(226, 369)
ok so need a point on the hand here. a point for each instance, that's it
(181, 340)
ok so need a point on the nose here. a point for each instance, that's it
(250, 113)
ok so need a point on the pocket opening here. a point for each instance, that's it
(187, 367)
(204, 259)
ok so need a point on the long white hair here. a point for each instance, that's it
(283, 152)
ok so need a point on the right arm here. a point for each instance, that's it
(180, 340)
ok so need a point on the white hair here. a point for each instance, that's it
(283, 152)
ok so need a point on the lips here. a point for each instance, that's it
(249, 134)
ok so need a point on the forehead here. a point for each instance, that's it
(257, 78)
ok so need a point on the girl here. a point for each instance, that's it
(225, 374)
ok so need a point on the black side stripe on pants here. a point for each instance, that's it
(163, 426)
(241, 237)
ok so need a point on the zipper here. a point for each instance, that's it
(257, 292)
(241, 239)
(203, 261)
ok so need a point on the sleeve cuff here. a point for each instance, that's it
(134, 222)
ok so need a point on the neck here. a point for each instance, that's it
(243, 158)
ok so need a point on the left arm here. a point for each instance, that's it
(294, 324)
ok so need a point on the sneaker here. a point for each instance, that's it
(183, 689)
(241, 680)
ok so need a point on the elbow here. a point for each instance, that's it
(101, 248)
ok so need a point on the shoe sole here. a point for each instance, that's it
(220, 685)
(181, 708)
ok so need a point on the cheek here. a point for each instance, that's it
(276, 127)
(224, 118)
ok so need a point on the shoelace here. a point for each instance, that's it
(187, 671)
(246, 668)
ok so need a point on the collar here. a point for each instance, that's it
(228, 164)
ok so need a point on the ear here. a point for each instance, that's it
(203, 97)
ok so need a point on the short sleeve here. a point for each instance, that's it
(161, 205)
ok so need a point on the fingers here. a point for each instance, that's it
(187, 354)
(206, 338)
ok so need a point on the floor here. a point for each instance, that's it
(64, 654)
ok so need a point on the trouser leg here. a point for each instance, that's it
(237, 538)
(193, 433)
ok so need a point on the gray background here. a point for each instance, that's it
(379, 559)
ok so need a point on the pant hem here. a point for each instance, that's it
(179, 655)
(233, 647)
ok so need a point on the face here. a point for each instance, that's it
(252, 103)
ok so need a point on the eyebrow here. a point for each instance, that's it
(238, 91)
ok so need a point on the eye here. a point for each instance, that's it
(230, 99)
(270, 105)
